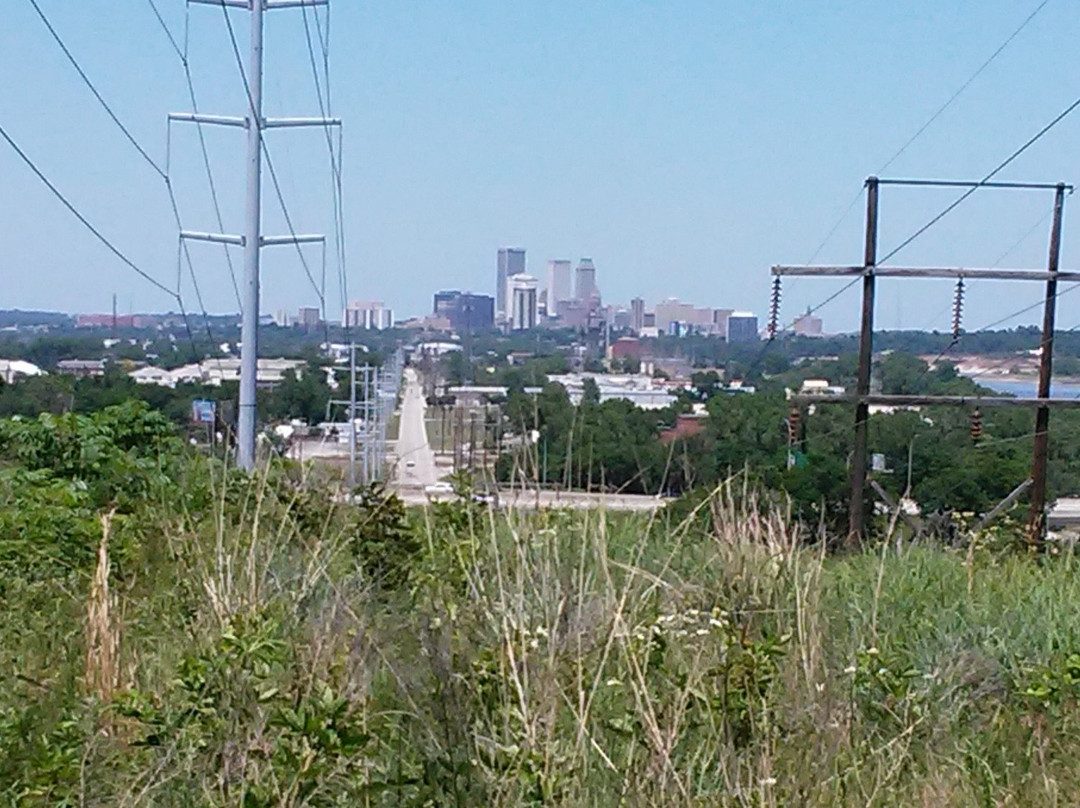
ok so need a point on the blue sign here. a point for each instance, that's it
(203, 411)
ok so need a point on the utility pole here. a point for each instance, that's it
(857, 510)
(1037, 518)
(352, 419)
(863, 398)
(249, 323)
(252, 239)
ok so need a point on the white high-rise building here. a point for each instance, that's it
(524, 302)
(368, 315)
(559, 286)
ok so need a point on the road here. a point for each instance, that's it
(415, 466)
(415, 469)
(573, 500)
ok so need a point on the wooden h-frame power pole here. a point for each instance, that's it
(870, 271)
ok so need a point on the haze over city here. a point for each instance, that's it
(684, 148)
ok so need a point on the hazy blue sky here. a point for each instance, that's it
(685, 146)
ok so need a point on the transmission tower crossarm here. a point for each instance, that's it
(247, 4)
(275, 4)
(282, 123)
(925, 272)
(300, 238)
(216, 238)
(266, 5)
(216, 120)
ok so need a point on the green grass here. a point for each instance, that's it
(273, 649)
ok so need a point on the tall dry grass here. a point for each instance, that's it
(719, 657)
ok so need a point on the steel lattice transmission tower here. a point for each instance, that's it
(252, 239)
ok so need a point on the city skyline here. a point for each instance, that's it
(676, 195)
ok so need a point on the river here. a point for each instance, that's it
(1028, 388)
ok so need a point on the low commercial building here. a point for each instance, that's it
(642, 391)
(81, 368)
(214, 372)
(12, 369)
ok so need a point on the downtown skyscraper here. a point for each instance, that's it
(510, 262)
(559, 285)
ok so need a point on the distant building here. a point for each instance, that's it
(12, 369)
(308, 317)
(742, 326)
(282, 318)
(625, 348)
(269, 372)
(445, 302)
(81, 367)
(524, 302)
(585, 289)
(720, 319)
(687, 425)
(619, 317)
(574, 314)
(509, 262)
(117, 321)
(820, 387)
(559, 286)
(642, 391)
(435, 349)
(153, 375)
(367, 315)
(637, 315)
(464, 311)
(807, 325)
(675, 317)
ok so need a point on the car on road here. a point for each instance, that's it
(410, 463)
(441, 487)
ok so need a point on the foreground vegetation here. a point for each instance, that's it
(178, 634)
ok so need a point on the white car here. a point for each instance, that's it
(441, 487)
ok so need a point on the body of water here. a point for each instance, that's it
(1029, 388)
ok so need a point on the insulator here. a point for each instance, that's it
(958, 308)
(774, 307)
(793, 424)
(976, 426)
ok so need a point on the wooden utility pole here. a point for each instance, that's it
(863, 398)
(1037, 519)
(857, 509)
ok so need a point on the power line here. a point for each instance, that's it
(186, 63)
(82, 219)
(1000, 167)
(929, 122)
(964, 86)
(104, 104)
(162, 172)
(335, 163)
(175, 295)
(165, 28)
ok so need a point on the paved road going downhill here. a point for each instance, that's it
(415, 465)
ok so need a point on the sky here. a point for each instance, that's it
(685, 146)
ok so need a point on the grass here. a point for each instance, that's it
(249, 654)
